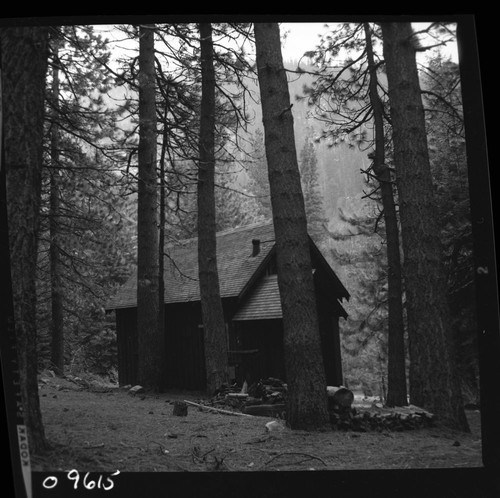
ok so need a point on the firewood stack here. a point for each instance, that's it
(269, 391)
(378, 418)
(267, 398)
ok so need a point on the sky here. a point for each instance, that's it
(301, 38)
(304, 36)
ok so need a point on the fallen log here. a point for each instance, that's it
(237, 395)
(219, 410)
(339, 398)
(266, 410)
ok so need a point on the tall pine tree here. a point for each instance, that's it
(306, 401)
(150, 343)
(214, 327)
(24, 55)
(434, 383)
(396, 375)
(309, 178)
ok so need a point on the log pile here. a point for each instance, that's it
(381, 419)
(228, 398)
(267, 398)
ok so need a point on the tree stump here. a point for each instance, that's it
(180, 409)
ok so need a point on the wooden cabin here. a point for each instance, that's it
(246, 259)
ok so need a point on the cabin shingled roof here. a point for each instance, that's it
(235, 264)
(264, 303)
(236, 267)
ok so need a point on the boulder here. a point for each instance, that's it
(136, 390)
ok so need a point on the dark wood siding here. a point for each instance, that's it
(126, 336)
(185, 368)
(338, 378)
(184, 343)
(185, 354)
(265, 336)
(263, 303)
(328, 321)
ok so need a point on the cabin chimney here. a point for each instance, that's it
(256, 247)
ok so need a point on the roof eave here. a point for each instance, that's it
(342, 291)
(257, 273)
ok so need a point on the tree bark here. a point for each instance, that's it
(150, 349)
(161, 247)
(396, 375)
(56, 291)
(307, 398)
(433, 377)
(214, 327)
(24, 52)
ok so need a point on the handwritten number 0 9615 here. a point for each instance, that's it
(73, 475)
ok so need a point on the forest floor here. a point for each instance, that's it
(92, 430)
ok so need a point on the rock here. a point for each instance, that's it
(274, 426)
(136, 390)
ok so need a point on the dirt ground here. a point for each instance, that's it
(108, 431)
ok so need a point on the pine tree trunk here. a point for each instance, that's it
(161, 250)
(215, 343)
(396, 378)
(307, 397)
(433, 376)
(24, 52)
(57, 323)
(150, 348)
